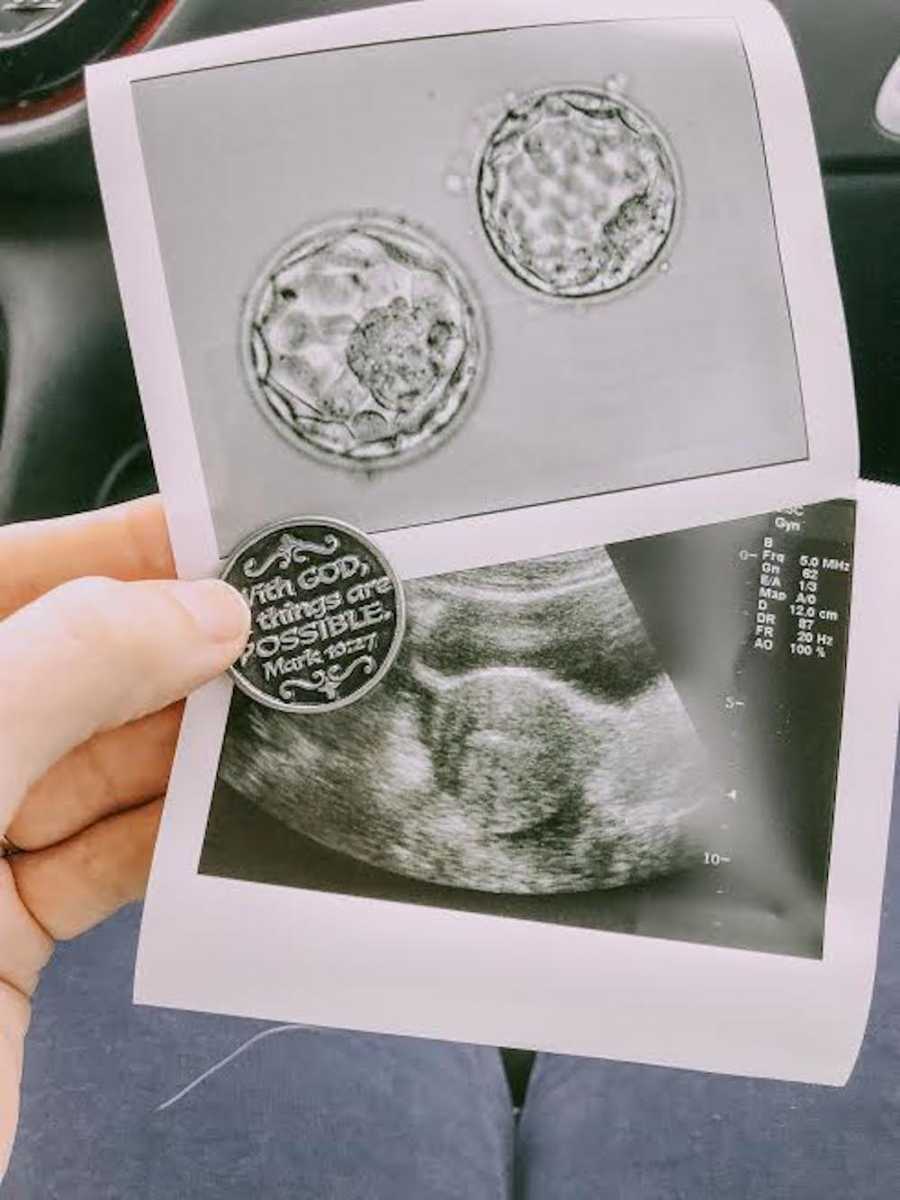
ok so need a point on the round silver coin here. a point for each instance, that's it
(577, 192)
(362, 342)
(327, 611)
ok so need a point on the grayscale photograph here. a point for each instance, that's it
(472, 273)
(640, 738)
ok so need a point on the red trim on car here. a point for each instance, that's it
(72, 93)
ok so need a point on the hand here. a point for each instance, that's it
(91, 670)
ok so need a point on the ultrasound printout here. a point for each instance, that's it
(495, 352)
(641, 738)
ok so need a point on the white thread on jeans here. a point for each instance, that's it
(229, 1058)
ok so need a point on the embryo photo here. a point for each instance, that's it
(535, 288)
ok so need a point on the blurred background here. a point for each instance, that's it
(72, 437)
(71, 432)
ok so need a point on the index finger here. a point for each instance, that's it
(126, 541)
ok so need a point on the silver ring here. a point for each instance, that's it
(8, 848)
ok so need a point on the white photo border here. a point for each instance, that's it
(288, 954)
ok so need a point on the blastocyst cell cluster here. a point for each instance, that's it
(577, 192)
(363, 342)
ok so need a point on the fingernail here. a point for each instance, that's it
(217, 608)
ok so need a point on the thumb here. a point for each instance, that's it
(95, 653)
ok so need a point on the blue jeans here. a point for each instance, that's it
(125, 1103)
(321, 1115)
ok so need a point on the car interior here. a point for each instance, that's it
(72, 438)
